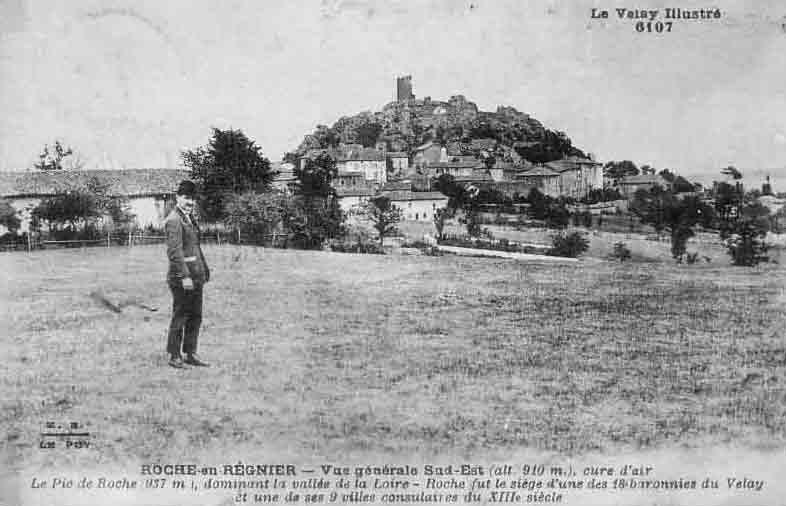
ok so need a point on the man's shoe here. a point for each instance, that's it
(176, 361)
(193, 359)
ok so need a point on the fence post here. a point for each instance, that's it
(238, 236)
(218, 237)
(29, 244)
(107, 239)
(130, 237)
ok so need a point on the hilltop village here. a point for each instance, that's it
(401, 150)
(435, 162)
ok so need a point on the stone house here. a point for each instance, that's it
(352, 199)
(455, 169)
(350, 179)
(398, 163)
(418, 206)
(368, 161)
(354, 158)
(542, 178)
(629, 185)
(577, 175)
(150, 192)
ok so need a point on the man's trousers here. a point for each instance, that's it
(186, 319)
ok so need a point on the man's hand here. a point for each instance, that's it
(188, 284)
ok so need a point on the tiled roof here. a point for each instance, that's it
(473, 178)
(578, 159)
(355, 192)
(538, 171)
(351, 173)
(396, 185)
(455, 165)
(409, 195)
(123, 182)
(570, 163)
(644, 179)
(364, 155)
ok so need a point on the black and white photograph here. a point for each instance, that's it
(397, 252)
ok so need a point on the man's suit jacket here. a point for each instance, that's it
(183, 250)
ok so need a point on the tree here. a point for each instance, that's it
(229, 163)
(8, 217)
(542, 207)
(259, 215)
(539, 204)
(745, 242)
(383, 215)
(456, 193)
(318, 215)
(73, 208)
(549, 146)
(470, 219)
(663, 210)
(440, 219)
(56, 158)
(682, 185)
(728, 200)
(326, 137)
(571, 245)
(596, 195)
(732, 172)
(315, 178)
(368, 133)
(665, 174)
(618, 170)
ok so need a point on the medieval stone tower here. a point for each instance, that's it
(404, 88)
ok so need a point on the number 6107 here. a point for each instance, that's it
(657, 26)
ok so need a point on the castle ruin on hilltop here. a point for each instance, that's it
(404, 89)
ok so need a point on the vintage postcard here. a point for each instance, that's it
(392, 252)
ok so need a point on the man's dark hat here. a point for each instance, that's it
(187, 188)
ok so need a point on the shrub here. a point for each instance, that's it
(569, 245)
(745, 243)
(433, 251)
(356, 240)
(679, 240)
(470, 220)
(256, 215)
(346, 245)
(418, 243)
(621, 252)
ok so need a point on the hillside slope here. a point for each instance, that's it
(405, 124)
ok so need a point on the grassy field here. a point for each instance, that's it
(319, 354)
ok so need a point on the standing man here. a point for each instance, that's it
(187, 274)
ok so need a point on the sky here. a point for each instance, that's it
(132, 84)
